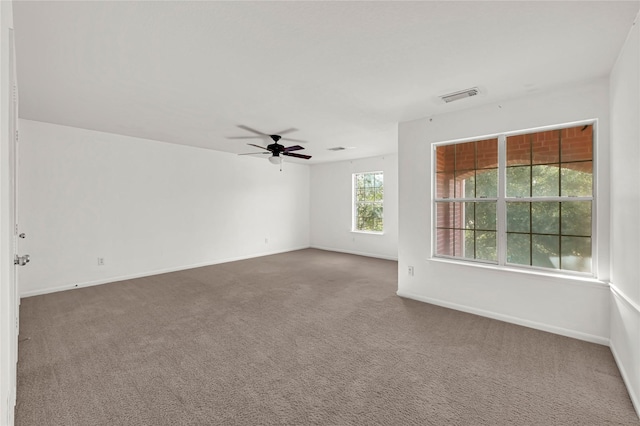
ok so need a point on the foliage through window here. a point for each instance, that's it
(368, 196)
(533, 208)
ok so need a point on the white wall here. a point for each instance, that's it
(625, 208)
(146, 206)
(565, 306)
(8, 305)
(332, 207)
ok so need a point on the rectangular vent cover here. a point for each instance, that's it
(337, 148)
(460, 95)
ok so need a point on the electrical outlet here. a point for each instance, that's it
(101, 261)
(410, 271)
(266, 241)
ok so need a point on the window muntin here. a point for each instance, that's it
(368, 202)
(543, 218)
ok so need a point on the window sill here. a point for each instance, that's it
(577, 279)
(367, 232)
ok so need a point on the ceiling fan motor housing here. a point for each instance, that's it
(276, 149)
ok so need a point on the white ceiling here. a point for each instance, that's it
(342, 73)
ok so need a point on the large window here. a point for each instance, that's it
(368, 195)
(519, 199)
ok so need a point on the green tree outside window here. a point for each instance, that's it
(368, 190)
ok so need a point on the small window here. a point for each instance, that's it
(368, 196)
(532, 208)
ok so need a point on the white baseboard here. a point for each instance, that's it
(150, 273)
(357, 253)
(508, 318)
(626, 379)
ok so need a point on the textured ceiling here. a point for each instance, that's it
(342, 73)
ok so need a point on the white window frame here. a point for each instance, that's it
(502, 199)
(354, 204)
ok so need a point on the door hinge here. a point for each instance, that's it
(16, 231)
(17, 136)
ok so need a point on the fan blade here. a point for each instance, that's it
(256, 153)
(245, 137)
(284, 132)
(293, 140)
(249, 129)
(306, 157)
(258, 146)
(293, 148)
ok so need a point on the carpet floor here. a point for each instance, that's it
(306, 337)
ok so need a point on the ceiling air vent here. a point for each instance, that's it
(460, 95)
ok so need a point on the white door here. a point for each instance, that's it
(13, 196)
(20, 260)
(13, 290)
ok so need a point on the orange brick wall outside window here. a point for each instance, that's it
(547, 200)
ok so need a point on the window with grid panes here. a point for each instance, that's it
(518, 199)
(368, 200)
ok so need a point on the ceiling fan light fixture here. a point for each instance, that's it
(275, 159)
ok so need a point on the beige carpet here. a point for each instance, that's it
(308, 337)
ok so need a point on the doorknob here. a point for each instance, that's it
(21, 260)
(23, 235)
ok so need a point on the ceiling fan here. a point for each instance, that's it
(275, 149)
